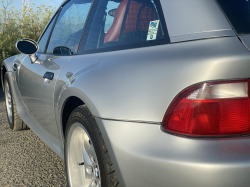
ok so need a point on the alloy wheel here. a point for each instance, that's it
(82, 163)
(8, 101)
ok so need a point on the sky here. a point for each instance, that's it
(54, 3)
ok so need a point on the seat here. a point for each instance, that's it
(135, 29)
(114, 31)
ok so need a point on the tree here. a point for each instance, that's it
(14, 25)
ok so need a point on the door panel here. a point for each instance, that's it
(36, 88)
(38, 94)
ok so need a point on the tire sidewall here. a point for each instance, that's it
(87, 121)
(6, 79)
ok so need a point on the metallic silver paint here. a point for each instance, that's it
(27, 117)
(74, 73)
(144, 155)
(193, 16)
(102, 80)
(37, 95)
(138, 85)
(8, 64)
(202, 35)
(246, 41)
(122, 85)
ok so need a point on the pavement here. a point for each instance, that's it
(24, 159)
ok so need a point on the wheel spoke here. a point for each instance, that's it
(91, 152)
(9, 97)
(8, 101)
(87, 160)
(83, 168)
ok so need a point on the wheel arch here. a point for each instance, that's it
(8, 63)
(70, 99)
(69, 105)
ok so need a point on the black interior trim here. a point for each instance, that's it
(85, 25)
(45, 50)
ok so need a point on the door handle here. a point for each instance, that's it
(48, 75)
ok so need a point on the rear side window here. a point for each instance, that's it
(238, 13)
(123, 24)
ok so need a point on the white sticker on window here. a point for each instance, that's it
(153, 29)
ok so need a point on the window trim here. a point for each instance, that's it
(61, 7)
(128, 46)
(85, 25)
(59, 11)
(55, 15)
(229, 21)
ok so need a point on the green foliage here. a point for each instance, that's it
(14, 25)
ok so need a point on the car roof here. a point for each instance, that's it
(188, 17)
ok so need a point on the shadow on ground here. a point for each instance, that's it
(25, 159)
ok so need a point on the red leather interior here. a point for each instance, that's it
(147, 14)
(114, 32)
(138, 18)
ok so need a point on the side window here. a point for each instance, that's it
(123, 24)
(68, 29)
(43, 41)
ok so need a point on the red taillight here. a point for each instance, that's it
(210, 109)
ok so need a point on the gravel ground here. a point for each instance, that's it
(24, 159)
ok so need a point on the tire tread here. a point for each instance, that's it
(18, 123)
(84, 113)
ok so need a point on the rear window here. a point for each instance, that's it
(238, 13)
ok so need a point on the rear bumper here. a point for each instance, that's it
(144, 155)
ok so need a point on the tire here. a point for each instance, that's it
(89, 163)
(15, 122)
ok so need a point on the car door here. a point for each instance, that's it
(36, 80)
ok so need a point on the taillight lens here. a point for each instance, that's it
(210, 109)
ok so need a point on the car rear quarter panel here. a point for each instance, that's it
(139, 84)
(144, 155)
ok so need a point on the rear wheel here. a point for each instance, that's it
(15, 122)
(87, 160)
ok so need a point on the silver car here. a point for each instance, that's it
(139, 92)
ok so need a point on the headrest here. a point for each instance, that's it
(114, 32)
(140, 14)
